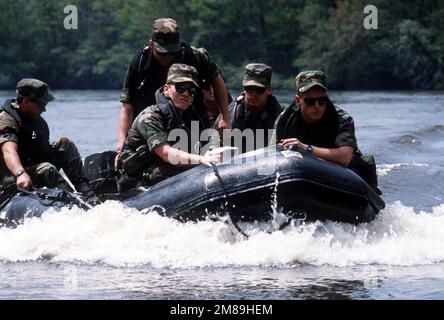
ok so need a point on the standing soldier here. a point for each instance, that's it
(148, 72)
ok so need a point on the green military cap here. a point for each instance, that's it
(166, 35)
(35, 89)
(308, 79)
(257, 74)
(180, 72)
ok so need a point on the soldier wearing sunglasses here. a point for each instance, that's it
(27, 158)
(148, 154)
(148, 72)
(256, 108)
(314, 124)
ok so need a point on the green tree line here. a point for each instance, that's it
(405, 52)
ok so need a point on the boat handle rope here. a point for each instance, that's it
(62, 197)
(221, 181)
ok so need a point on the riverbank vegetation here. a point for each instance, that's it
(405, 52)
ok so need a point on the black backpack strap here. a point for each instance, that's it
(282, 121)
(11, 111)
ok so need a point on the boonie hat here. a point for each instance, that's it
(166, 35)
(34, 89)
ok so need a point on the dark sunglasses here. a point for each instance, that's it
(181, 88)
(166, 54)
(311, 101)
(42, 105)
(257, 90)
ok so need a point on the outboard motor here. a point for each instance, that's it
(100, 172)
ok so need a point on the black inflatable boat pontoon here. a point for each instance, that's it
(248, 186)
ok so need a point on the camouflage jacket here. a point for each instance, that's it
(152, 127)
(335, 129)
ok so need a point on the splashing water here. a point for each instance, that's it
(384, 169)
(115, 235)
(278, 217)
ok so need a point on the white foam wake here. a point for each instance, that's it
(384, 169)
(116, 235)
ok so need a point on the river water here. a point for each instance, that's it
(112, 252)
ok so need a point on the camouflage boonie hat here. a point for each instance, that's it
(179, 72)
(166, 35)
(34, 89)
(257, 74)
(308, 79)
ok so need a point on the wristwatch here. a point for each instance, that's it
(309, 149)
(18, 173)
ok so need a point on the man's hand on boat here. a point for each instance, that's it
(24, 181)
(219, 154)
(210, 158)
(181, 158)
(286, 143)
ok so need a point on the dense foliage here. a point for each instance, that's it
(406, 51)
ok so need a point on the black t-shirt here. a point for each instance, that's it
(335, 129)
(145, 75)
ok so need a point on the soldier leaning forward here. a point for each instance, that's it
(27, 158)
(148, 154)
(314, 124)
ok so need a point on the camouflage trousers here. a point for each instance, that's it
(46, 174)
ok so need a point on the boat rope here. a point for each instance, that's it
(63, 197)
(227, 211)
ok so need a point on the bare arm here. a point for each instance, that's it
(220, 94)
(181, 158)
(341, 155)
(13, 163)
(125, 120)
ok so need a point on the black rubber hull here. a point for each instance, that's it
(33, 204)
(252, 184)
(306, 186)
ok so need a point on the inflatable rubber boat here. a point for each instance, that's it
(247, 187)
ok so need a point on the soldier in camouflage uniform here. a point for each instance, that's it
(148, 72)
(147, 153)
(27, 158)
(256, 108)
(314, 124)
